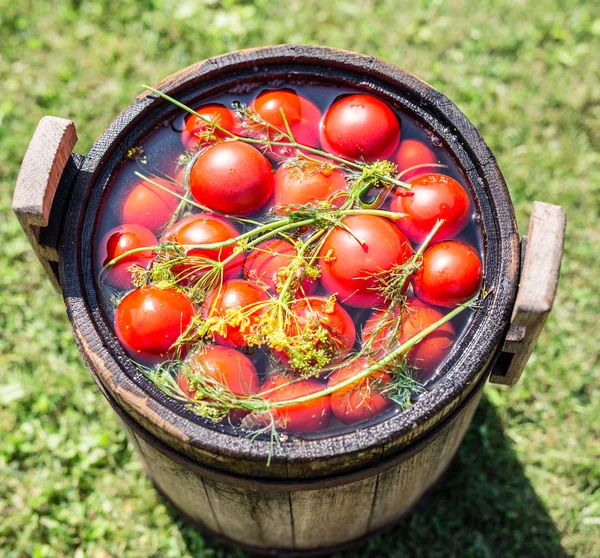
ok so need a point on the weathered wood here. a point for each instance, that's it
(537, 288)
(41, 170)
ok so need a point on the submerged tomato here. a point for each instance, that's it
(195, 127)
(434, 196)
(362, 399)
(119, 240)
(232, 295)
(351, 269)
(414, 153)
(451, 273)
(149, 320)
(360, 127)
(232, 177)
(268, 260)
(310, 416)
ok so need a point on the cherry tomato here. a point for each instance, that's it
(451, 273)
(433, 197)
(360, 126)
(270, 258)
(235, 294)
(350, 269)
(150, 206)
(195, 127)
(205, 228)
(361, 400)
(412, 153)
(308, 185)
(119, 240)
(149, 320)
(310, 416)
(232, 177)
(394, 329)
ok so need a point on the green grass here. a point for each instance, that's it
(526, 481)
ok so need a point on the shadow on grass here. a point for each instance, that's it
(484, 506)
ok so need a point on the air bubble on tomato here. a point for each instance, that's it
(360, 127)
(363, 399)
(149, 320)
(232, 295)
(351, 269)
(116, 242)
(310, 416)
(413, 153)
(267, 263)
(433, 196)
(195, 127)
(232, 177)
(149, 205)
(450, 274)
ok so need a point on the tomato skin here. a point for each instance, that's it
(309, 185)
(360, 126)
(352, 271)
(119, 240)
(429, 353)
(233, 294)
(232, 177)
(360, 400)
(150, 206)
(206, 228)
(451, 273)
(195, 126)
(412, 153)
(265, 261)
(434, 196)
(149, 320)
(310, 416)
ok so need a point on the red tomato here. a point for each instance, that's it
(232, 177)
(119, 240)
(360, 127)
(265, 262)
(350, 269)
(433, 197)
(310, 416)
(393, 330)
(149, 320)
(230, 296)
(451, 273)
(308, 185)
(412, 153)
(205, 228)
(150, 206)
(361, 400)
(195, 127)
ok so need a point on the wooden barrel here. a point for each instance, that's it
(318, 492)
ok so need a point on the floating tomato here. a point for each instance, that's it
(195, 127)
(413, 153)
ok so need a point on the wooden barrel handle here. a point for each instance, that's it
(541, 254)
(47, 156)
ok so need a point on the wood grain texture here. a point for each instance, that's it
(537, 287)
(42, 167)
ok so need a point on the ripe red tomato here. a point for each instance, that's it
(149, 320)
(361, 400)
(310, 416)
(308, 185)
(412, 153)
(150, 206)
(393, 330)
(232, 177)
(350, 269)
(433, 197)
(265, 262)
(195, 127)
(119, 240)
(230, 296)
(451, 273)
(205, 228)
(360, 126)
